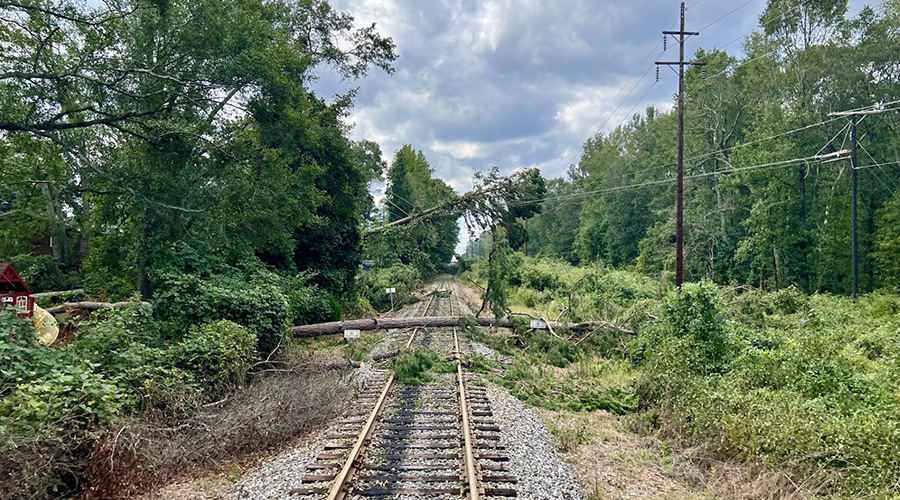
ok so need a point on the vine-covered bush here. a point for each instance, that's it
(372, 284)
(184, 301)
(218, 354)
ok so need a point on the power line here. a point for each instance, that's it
(649, 132)
(782, 163)
(748, 2)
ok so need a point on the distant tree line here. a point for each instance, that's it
(760, 208)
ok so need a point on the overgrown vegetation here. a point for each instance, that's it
(806, 384)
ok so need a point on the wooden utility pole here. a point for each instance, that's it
(853, 177)
(681, 63)
(853, 180)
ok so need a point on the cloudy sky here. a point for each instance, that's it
(522, 83)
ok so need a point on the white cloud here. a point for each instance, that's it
(461, 150)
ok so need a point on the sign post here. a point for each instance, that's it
(391, 291)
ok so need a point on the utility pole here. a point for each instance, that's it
(854, 115)
(853, 175)
(679, 204)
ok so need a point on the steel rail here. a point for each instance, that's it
(338, 491)
(471, 476)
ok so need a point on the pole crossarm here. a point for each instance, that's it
(670, 32)
(685, 63)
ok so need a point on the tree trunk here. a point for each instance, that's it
(95, 306)
(334, 327)
(144, 285)
(57, 223)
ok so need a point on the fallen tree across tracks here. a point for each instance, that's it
(95, 306)
(334, 327)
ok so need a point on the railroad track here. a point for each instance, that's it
(434, 440)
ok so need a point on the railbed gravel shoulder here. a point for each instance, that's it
(275, 478)
(533, 459)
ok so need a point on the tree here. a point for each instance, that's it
(173, 138)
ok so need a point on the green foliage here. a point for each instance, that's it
(358, 349)
(412, 189)
(406, 279)
(44, 273)
(70, 396)
(691, 336)
(576, 390)
(814, 383)
(184, 301)
(127, 348)
(887, 246)
(418, 366)
(218, 354)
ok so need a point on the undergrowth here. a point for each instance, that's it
(802, 384)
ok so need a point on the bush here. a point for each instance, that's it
(218, 354)
(127, 348)
(692, 330)
(69, 397)
(405, 278)
(49, 403)
(184, 301)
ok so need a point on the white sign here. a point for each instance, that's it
(351, 334)
(538, 324)
(390, 290)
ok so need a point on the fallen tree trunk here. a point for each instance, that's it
(57, 294)
(334, 327)
(95, 306)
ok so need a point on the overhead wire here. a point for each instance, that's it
(688, 93)
(782, 163)
(650, 130)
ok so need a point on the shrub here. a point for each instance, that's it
(49, 403)
(127, 349)
(70, 396)
(405, 278)
(184, 301)
(692, 328)
(218, 354)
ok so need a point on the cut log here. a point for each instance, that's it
(334, 327)
(95, 306)
(57, 294)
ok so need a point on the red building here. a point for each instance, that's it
(14, 291)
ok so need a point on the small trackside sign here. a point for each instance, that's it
(390, 290)
(351, 334)
(538, 324)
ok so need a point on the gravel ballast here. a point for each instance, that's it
(533, 459)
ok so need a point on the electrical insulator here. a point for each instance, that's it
(657, 73)
(703, 72)
(665, 41)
